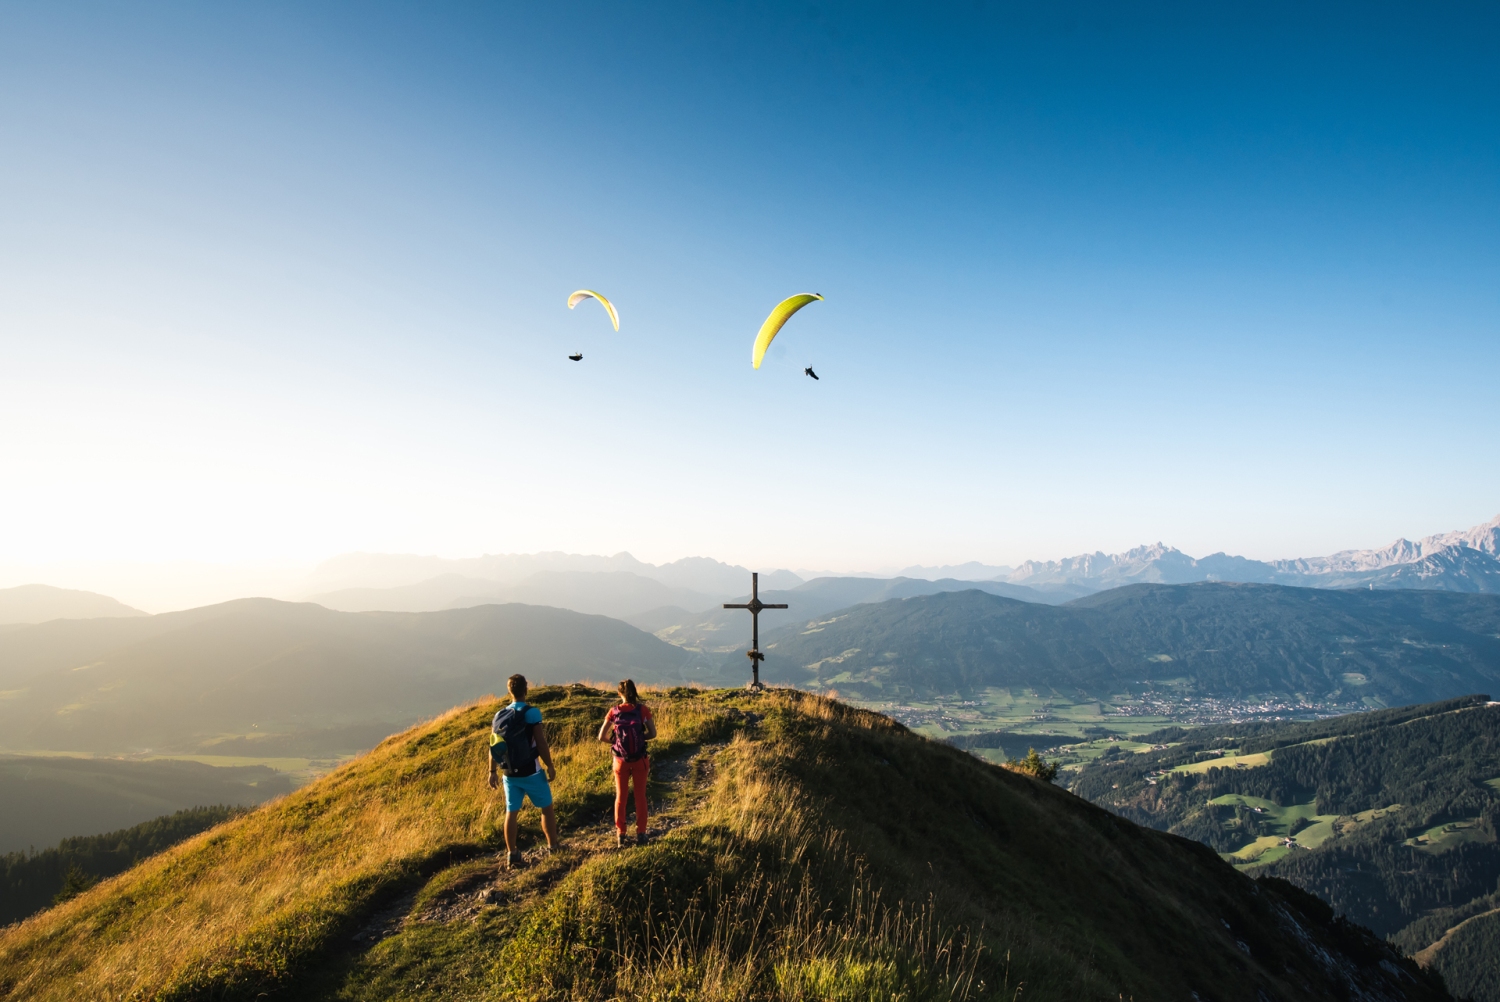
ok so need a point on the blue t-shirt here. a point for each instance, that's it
(531, 715)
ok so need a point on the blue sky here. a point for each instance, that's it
(283, 281)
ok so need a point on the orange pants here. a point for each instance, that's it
(624, 773)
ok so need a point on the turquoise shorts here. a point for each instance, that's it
(534, 786)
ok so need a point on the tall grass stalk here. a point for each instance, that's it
(773, 936)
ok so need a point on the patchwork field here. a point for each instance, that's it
(1297, 824)
(1229, 760)
(1442, 838)
(1022, 711)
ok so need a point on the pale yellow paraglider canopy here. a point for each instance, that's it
(583, 294)
(778, 317)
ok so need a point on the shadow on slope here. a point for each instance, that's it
(776, 875)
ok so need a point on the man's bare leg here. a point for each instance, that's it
(512, 829)
(549, 828)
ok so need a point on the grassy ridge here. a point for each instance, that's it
(807, 850)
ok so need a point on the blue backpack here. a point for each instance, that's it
(510, 742)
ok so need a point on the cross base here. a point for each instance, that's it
(756, 657)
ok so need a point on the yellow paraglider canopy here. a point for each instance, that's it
(583, 294)
(774, 322)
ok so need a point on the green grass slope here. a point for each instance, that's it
(802, 850)
(260, 678)
(1225, 639)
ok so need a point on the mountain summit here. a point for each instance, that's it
(1465, 560)
(803, 850)
(39, 603)
(1483, 538)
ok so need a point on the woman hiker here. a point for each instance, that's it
(626, 728)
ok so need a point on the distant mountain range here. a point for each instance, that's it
(679, 601)
(720, 630)
(262, 678)
(1240, 641)
(691, 619)
(620, 594)
(672, 599)
(682, 602)
(369, 573)
(1467, 560)
(37, 603)
(971, 571)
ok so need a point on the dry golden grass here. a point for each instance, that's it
(817, 852)
(774, 933)
(245, 900)
(759, 898)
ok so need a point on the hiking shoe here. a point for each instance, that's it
(513, 861)
(621, 840)
(640, 838)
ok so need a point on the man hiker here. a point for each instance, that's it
(518, 739)
(626, 728)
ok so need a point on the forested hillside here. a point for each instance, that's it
(31, 881)
(722, 630)
(1392, 816)
(1379, 647)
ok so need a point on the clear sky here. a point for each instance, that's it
(279, 281)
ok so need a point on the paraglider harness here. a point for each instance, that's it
(630, 732)
(511, 745)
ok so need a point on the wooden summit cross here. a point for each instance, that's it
(755, 605)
